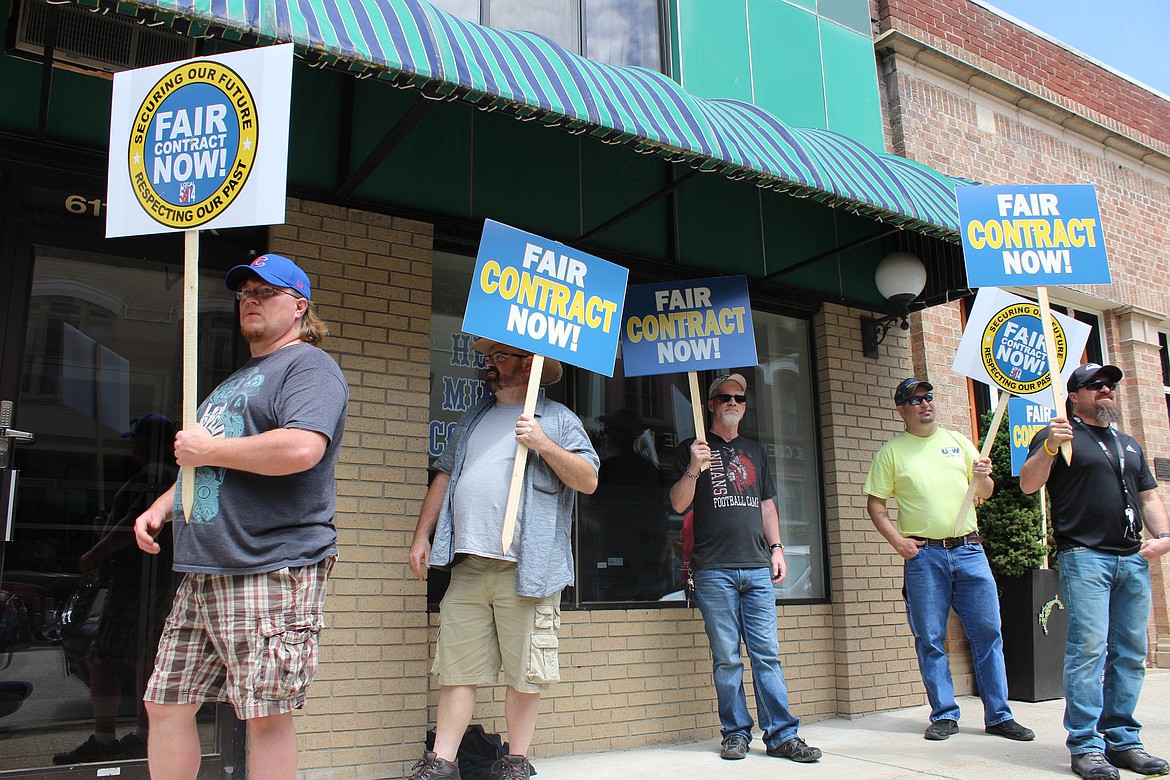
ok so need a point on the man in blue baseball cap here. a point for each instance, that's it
(260, 542)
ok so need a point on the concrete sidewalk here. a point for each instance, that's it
(885, 746)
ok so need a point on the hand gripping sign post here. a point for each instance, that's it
(199, 144)
(690, 326)
(1034, 235)
(550, 299)
(1004, 345)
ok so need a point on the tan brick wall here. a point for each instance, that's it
(371, 277)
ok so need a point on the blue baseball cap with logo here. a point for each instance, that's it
(273, 269)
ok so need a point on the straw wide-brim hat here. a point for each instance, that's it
(552, 373)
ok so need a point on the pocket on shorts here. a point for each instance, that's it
(289, 658)
(543, 662)
(543, 665)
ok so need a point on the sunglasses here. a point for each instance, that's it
(1097, 384)
(262, 293)
(725, 398)
(499, 357)
(918, 400)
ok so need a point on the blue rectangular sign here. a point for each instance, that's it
(1032, 235)
(545, 297)
(1024, 419)
(691, 325)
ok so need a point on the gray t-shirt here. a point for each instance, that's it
(245, 523)
(481, 494)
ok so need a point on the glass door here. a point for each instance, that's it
(80, 606)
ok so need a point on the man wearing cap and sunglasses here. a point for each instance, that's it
(737, 559)
(260, 542)
(502, 608)
(928, 470)
(1100, 503)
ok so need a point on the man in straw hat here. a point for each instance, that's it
(928, 470)
(502, 608)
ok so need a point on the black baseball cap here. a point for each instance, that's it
(907, 388)
(1082, 375)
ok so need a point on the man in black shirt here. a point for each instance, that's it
(737, 558)
(1100, 503)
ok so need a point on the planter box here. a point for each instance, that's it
(1035, 626)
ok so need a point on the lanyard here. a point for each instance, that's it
(1130, 514)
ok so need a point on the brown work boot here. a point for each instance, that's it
(431, 767)
(512, 768)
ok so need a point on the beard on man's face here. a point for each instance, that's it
(1107, 411)
(731, 416)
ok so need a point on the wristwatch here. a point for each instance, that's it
(779, 546)
(1163, 536)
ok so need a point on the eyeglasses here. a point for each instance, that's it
(498, 357)
(262, 293)
(725, 398)
(1097, 384)
(918, 400)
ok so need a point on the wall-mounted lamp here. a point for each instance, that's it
(900, 277)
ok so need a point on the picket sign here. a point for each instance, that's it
(988, 440)
(1050, 348)
(517, 486)
(190, 358)
(697, 411)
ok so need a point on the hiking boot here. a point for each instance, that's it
(735, 746)
(1137, 760)
(1093, 766)
(431, 767)
(1011, 730)
(796, 750)
(941, 729)
(87, 752)
(132, 746)
(512, 768)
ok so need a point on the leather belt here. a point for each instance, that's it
(951, 541)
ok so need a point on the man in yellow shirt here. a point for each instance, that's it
(928, 469)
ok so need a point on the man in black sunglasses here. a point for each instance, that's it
(928, 470)
(738, 557)
(1100, 503)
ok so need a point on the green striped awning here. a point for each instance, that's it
(413, 44)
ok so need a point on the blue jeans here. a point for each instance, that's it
(740, 603)
(935, 580)
(1108, 600)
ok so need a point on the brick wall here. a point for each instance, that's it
(962, 128)
(629, 677)
(371, 276)
(978, 36)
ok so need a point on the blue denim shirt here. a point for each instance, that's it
(545, 559)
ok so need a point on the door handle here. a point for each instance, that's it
(10, 436)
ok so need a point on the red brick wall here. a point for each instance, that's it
(982, 38)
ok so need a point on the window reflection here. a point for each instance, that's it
(617, 32)
(627, 541)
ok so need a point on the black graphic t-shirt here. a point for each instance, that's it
(729, 526)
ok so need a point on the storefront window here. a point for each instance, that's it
(628, 541)
(617, 32)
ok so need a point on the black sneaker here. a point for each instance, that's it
(796, 750)
(941, 729)
(735, 746)
(431, 767)
(1093, 766)
(512, 768)
(1137, 760)
(132, 746)
(1011, 730)
(87, 752)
